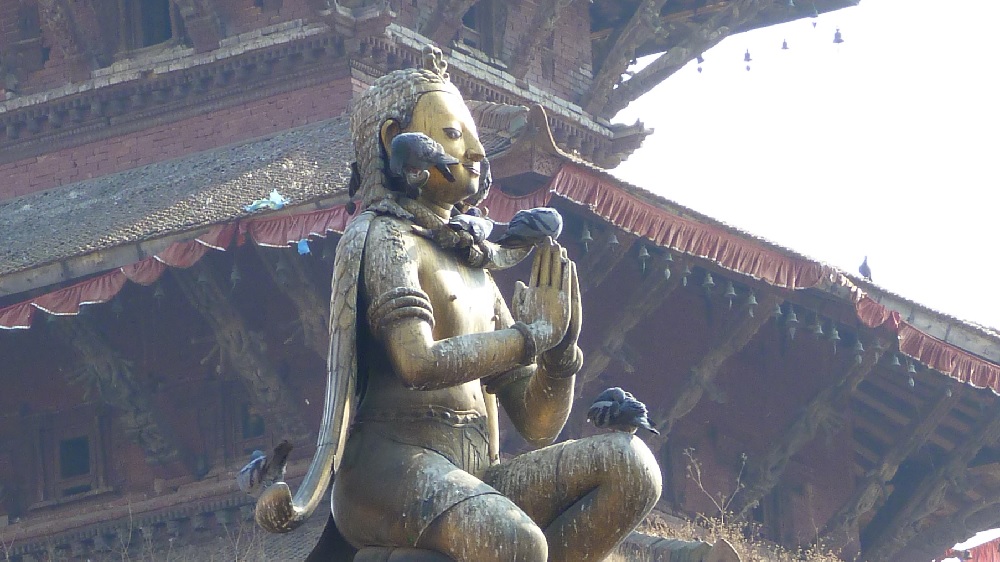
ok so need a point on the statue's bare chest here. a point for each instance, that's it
(464, 298)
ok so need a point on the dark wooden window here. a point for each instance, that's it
(145, 23)
(481, 25)
(249, 429)
(70, 456)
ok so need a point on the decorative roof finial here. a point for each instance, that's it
(434, 61)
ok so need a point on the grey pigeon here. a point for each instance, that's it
(618, 410)
(261, 472)
(412, 155)
(865, 271)
(531, 227)
(473, 222)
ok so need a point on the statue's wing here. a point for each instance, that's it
(276, 510)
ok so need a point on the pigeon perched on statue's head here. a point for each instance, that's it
(618, 410)
(532, 226)
(412, 155)
(262, 471)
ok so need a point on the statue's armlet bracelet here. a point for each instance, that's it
(396, 304)
(568, 366)
(530, 345)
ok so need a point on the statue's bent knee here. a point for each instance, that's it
(637, 469)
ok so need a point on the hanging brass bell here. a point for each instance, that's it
(895, 360)
(837, 37)
(784, 45)
(613, 240)
(746, 57)
(730, 291)
(708, 284)
(817, 328)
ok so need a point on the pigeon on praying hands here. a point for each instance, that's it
(618, 410)
(531, 227)
(262, 472)
(473, 222)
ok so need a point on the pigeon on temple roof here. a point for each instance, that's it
(865, 271)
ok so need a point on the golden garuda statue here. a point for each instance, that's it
(424, 351)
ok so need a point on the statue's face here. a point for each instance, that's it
(444, 117)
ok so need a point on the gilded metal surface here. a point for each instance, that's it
(420, 467)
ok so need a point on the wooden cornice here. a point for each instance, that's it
(290, 276)
(545, 20)
(116, 381)
(825, 410)
(622, 50)
(118, 103)
(734, 337)
(650, 294)
(904, 524)
(870, 490)
(243, 352)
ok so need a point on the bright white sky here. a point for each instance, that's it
(885, 145)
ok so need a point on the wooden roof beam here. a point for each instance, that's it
(58, 20)
(948, 531)
(824, 410)
(697, 39)
(929, 495)
(601, 260)
(897, 417)
(290, 276)
(650, 295)
(447, 18)
(621, 52)
(243, 351)
(201, 22)
(872, 488)
(101, 367)
(733, 338)
(545, 20)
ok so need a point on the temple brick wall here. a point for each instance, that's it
(161, 142)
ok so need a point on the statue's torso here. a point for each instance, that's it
(464, 300)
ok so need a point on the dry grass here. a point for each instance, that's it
(744, 536)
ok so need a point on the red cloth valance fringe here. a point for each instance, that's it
(579, 185)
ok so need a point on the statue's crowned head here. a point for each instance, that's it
(392, 105)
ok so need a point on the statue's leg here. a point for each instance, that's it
(586, 494)
(486, 528)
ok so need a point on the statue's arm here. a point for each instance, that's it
(538, 398)
(401, 316)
